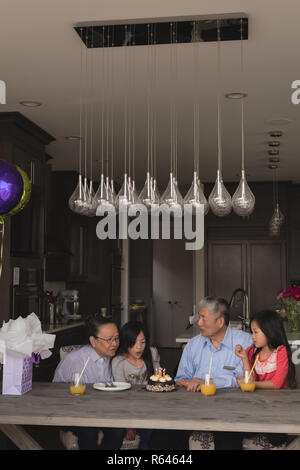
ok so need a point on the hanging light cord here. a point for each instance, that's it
(196, 104)
(242, 100)
(86, 111)
(219, 100)
(80, 103)
(92, 106)
(112, 106)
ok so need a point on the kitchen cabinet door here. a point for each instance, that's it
(172, 290)
(266, 273)
(258, 267)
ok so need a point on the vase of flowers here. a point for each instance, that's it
(290, 299)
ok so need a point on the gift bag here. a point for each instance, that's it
(17, 375)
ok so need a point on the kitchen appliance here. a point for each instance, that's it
(27, 293)
(69, 304)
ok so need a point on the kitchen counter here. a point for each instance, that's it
(293, 338)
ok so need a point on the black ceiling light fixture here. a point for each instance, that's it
(189, 29)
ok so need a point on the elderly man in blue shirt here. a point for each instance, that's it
(217, 340)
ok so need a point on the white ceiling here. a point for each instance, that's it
(40, 60)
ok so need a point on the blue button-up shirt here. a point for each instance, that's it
(98, 368)
(226, 366)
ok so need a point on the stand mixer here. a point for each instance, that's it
(69, 304)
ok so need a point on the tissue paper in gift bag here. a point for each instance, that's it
(17, 375)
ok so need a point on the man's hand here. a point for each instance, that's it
(194, 385)
(183, 382)
(191, 385)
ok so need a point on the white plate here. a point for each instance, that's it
(118, 386)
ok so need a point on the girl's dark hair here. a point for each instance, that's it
(271, 325)
(128, 335)
(94, 322)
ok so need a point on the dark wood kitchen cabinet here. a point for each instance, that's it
(25, 147)
(257, 266)
(294, 233)
(74, 253)
(23, 143)
(66, 233)
(172, 291)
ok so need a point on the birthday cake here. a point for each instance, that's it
(160, 382)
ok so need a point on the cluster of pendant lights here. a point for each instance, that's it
(85, 202)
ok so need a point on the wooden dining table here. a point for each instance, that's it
(229, 410)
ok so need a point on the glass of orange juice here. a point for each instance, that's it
(209, 387)
(248, 383)
(77, 386)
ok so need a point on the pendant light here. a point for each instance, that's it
(243, 200)
(91, 210)
(147, 192)
(124, 197)
(135, 200)
(277, 218)
(172, 196)
(195, 198)
(77, 199)
(103, 198)
(155, 195)
(87, 202)
(112, 193)
(134, 196)
(219, 199)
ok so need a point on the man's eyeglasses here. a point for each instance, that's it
(109, 340)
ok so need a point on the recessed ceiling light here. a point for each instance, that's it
(274, 143)
(73, 137)
(30, 104)
(274, 160)
(272, 166)
(276, 133)
(236, 95)
(273, 152)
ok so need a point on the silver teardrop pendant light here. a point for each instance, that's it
(219, 199)
(103, 196)
(76, 200)
(124, 196)
(243, 200)
(277, 219)
(146, 193)
(195, 198)
(172, 196)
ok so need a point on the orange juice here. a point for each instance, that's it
(208, 389)
(247, 387)
(77, 389)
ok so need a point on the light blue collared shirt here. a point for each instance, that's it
(98, 368)
(196, 357)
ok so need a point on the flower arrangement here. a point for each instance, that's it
(290, 299)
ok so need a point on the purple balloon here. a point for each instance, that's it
(11, 187)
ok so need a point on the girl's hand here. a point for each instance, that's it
(240, 352)
(239, 379)
(130, 435)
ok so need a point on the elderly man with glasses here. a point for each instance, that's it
(103, 337)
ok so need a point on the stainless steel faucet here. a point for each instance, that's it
(246, 313)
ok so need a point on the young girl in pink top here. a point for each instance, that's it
(273, 369)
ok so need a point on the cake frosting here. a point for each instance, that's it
(160, 382)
